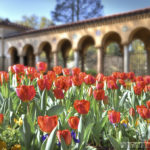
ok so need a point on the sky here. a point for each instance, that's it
(15, 9)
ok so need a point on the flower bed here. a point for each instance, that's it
(71, 110)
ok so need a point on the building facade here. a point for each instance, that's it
(19, 44)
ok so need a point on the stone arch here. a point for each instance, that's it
(63, 48)
(141, 33)
(14, 55)
(28, 55)
(112, 53)
(84, 44)
(142, 65)
(45, 52)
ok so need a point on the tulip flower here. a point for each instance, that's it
(114, 117)
(138, 90)
(143, 111)
(73, 122)
(90, 91)
(99, 94)
(1, 118)
(51, 75)
(111, 84)
(100, 77)
(75, 71)
(58, 93)
(148, 103)
(57, 69)
(66, 71)
(44, 84)
(132, 112)
(41, 67)
(47, 123)
(147, 144)
(82, 106)
(4, 76)
(66, 136)
(26, 92)
(76, 80)
(18, 68)
(89, 79)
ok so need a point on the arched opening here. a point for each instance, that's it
(112, 52)
(113, 60)
(139, 51)
(64, 52)
(29, 58)
(87, 53)
(138, 57)
(45, 53)
(14, 58)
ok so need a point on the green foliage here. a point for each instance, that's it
(10, 137)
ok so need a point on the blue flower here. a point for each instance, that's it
(59, 144)
(73, 134)
(44, 137)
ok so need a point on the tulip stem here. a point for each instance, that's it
(28, 108)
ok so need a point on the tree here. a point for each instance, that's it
(35, 22)
(75, 10)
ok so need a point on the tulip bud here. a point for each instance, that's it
(1, 118)
(105, 100)
(90, 91)
(132, 112)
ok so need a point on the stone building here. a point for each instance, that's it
(24, 45)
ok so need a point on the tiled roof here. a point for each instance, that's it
(99, 19)
(15, 25)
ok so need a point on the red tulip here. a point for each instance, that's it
(66, 71)
(100, 77)
(105, 100)
(26, 93)
(148, 103)
(47, 123)
(90, 91)
(147, 144)
(51, 75)
(57, 69)
(122, 82)
(10, 69)
(99, 94)
(76, 80)
(138, 90)
(73, 122)
(4, 76)
(66, 136)
(41, 67)
(1, 118)
(19, 69)
(132, 112)
(58, 93)
(114, 117)
(75, 71)
(44, 84)
(99, 86)
(143, 111)
(111, 84)
(130, 75)
(89, 79)
(82, 106)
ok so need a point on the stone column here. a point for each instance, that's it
(82, 61)
(126, 58)
(21, 60)
(55, 56)
(76, 58)
(148, 61)
(37, 58)
(100, 60)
